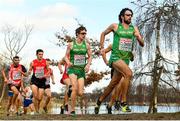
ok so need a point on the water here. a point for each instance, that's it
(134, 108)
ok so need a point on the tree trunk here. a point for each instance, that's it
(156, 74)
(178, 69)
(178, 42)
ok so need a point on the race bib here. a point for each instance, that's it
(39, 73)
(125, 44)
(16, 75)
(79, 60)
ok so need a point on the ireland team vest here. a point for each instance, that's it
(78, 54)
(122, 43)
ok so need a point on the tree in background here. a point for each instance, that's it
(160, 25)
(15, 40)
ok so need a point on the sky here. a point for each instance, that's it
(49, 16)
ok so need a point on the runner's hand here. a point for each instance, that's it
(102, 51)
(106, 62)
(69, 64)
(87, 68)
(5, 80)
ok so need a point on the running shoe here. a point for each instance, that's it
(62, 110)
(45, 109)
(73, 113)
(109, 109)
(125, 108)
(117, 105)
(96, 109)
(66, 107)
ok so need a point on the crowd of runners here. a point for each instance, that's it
(76, 63)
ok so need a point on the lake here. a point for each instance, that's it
(135, 109)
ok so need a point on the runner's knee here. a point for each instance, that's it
(35, 96)
(129, 75)
(80, 93)
(49, 95)
(74, 89)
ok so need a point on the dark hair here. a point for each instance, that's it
(79, 29)
(47, 59)
(122, 12)
(16, 57)
(39, 50)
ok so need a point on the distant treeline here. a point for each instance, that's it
(139, 94)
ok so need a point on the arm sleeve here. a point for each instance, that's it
(24, 69)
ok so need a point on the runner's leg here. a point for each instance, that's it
(73, 79)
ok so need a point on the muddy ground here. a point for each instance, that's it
(137, 116)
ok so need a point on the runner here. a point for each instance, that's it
(124, 34)
(38, 66)
(15, 82)
(65, 81)
(117, 91)
(78, 49)
(49, 75)
(28, 103)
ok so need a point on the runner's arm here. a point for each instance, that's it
(138, 36)
(103, 53)
(23, 71)
(60, 63)
(111, 28)
(52, 77)
(89, 53)
(30, 68)
(67, 55)
(4, 75)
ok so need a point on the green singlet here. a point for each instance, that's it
(78, 59)
(122, 44)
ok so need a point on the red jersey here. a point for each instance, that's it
(49, 73)
(65, 74)
(39, 68)
(15, 75)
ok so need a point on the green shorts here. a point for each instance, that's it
(125, 60)
(79, 72)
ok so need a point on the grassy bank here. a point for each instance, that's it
(139, 116)
(132, 116)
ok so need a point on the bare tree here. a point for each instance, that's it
(15, 40)
(160, 25)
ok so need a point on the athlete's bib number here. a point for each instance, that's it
(79, 60)
(16, 75)
(39, 73)
(125, 44)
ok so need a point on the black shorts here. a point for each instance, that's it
(40, 83)
(47, 86)
(10, 85)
